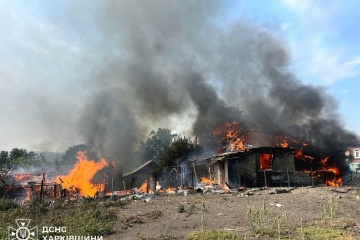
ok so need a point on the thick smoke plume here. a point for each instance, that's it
(172, 64)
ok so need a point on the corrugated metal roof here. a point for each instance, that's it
(137, 169)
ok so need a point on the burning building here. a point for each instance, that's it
(263, 166)
(141, 174)
(261, 154)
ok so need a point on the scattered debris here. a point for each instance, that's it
(280, 190)
(339, 190)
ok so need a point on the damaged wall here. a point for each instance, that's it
(247, 169)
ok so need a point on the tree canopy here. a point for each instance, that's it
(156, 144)
(179, 151)
(69, 159)
(16, 158)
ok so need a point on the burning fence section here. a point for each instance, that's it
(29, 187)
(79, 182)
(80, 177)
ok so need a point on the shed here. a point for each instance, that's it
(144, 172)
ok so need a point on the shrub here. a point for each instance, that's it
(6, 204)
(213, 235)
(181, 209)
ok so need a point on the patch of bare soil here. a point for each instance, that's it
(174, 216)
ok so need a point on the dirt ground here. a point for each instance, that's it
(173, 216)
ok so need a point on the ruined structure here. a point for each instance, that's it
(264, 166)
(143, 173)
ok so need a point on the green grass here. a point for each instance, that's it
(264, 222)
(213, 235)
(82, 218)
(319, 233)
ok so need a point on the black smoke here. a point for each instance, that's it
(177, 64)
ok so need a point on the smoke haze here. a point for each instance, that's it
(173, 59)
(172, 64)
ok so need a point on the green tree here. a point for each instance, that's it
(69, 159)
(10, 161)
(156, 144)
(179, 151)
(5, 166)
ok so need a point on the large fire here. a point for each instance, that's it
(81, 175)
(230, 134)
(333, 174)
(236, 137)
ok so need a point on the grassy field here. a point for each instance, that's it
(82, 218)
(193, 218)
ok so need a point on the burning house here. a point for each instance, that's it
(263, 166)
(261, 154)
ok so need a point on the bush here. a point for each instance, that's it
(6, 204)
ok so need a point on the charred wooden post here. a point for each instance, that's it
(41, 190)
(288, 178)
(147, 185)
(55, 189)
(192, 179)
(112, 184)
(265, 178)
(239, 176)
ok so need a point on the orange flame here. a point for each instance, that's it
(333, 174)
(334, 182)
(207, 180)
(265, 161)
(21, 177)
(287, 141)
(231, 132)
(237, 145)
(143, 188)
(81, 175)
(170, 189)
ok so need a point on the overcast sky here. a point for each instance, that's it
(48, 50)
